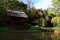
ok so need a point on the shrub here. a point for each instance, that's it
(55, 21)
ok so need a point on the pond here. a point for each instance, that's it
(29, 35)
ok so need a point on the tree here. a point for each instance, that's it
(51, 11)
(16, 5)
(40, 13)
(32, 12)
(56, 20)
(3, 8)
(56, 4)
(11, 4)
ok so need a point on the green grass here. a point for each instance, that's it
(3, 28)
(37, 27)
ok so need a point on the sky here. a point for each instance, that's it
(38, 4)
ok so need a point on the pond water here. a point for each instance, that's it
(34, 35)
(39, 35)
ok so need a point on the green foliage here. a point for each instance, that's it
(32, 12)
(16, 5)
(32, 15)
(56, 4)
(3, 7)
(56, 21)
(51, 11)
(12, 4)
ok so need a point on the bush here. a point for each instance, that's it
(55, 21)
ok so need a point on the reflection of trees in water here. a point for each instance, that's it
(48, 37)
(33, 36)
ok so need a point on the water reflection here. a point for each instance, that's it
(40, 35)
